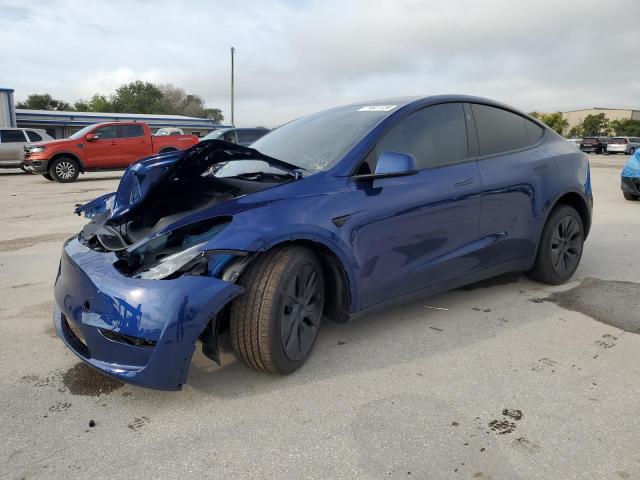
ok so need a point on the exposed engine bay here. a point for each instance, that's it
(158, 191)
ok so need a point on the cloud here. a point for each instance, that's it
(298, 57)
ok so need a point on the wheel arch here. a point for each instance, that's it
(579, 203)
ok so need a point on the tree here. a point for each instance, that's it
(576, 131)
(555, 121)
(43, 101)
(138, 97)
(595, 125)
(626, 127)
(178, 102)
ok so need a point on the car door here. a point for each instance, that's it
(103, 151)
(513, 171)
(11, 144)
(132, 144)
(412, 232)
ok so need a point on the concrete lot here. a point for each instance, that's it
(507, 379)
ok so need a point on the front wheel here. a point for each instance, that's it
(632, 150)
(64, 170)
(560, 248)
(275, 323)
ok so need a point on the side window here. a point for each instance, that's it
(12, 136)
(107, 132)
(33, 136)
(129, 131)
(249, 135)
(230, 136)
(502, 131)
(435, 136)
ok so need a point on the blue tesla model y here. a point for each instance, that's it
(332, 215)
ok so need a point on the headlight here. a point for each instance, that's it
(176, 252)
(36, 149)
(193, 260)
(173, 263)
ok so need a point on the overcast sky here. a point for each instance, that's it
(296, 57)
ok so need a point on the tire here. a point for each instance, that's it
(271, 329)
(630, 196)
(48, 177)
(632, 150)
(565, 231)
(64, 170)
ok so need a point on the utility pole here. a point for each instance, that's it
(233, 51)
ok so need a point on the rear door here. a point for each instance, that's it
(102, 152)
(514, 174)
(11, 143)
(415, 231)
(132, 144)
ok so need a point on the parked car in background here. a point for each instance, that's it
(630, 178)
(331, 216)
(241, 136)
(102, 146)
(169, 131)
(12, 142)
(594, 144)
(626, 145)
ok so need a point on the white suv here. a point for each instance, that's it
(626, 145)
(12, 141)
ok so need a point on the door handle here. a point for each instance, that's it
(113, 142)
(541, 167)
(468, 181)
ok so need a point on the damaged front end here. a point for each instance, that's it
(143, 281)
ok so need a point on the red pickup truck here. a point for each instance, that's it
(103, 146)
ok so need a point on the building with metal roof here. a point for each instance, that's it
(61, 124)
(7, 111)
(574, 117)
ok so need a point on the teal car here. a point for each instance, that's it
(631, 177)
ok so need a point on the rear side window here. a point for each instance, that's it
(12, 136)
(33, 136)
(502, 131)
(435, 136)
(129, 131)
(249, 135)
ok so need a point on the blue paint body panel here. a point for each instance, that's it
(400, 237)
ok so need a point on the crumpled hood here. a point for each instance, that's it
(632, 167)
(146, 178)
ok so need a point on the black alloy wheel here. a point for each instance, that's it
(301, 312)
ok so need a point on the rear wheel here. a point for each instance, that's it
(560, 247)
(630, 196)
(64, 170)
(275, 323)
(632, 150)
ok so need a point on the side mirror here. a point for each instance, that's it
(393, 164)
(91, 137)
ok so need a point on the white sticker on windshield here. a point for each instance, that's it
(377, 108)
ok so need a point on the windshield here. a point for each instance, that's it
(318, 141)
(83, 132)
